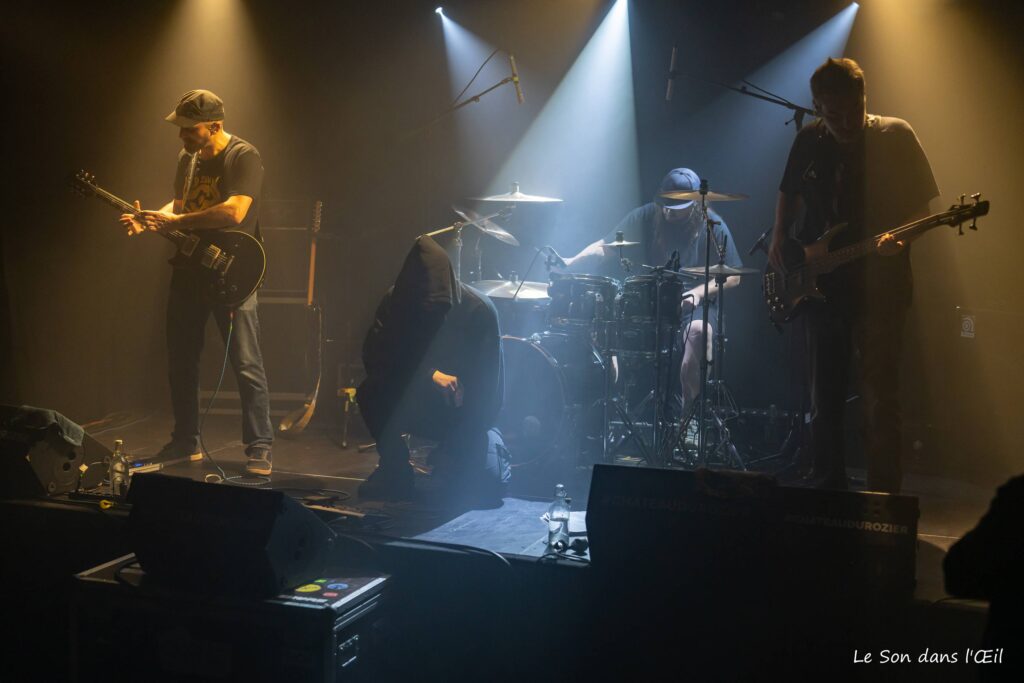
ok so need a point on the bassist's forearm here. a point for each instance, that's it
(786, 207)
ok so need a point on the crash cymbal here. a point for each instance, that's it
(517, 197)
(711, 196)
(486, 225)
(716, 269)
(618, 243)
(506, 289)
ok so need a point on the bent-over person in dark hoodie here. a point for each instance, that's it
(433, 365)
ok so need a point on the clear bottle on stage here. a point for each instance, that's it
(119, 477)
(558, 521)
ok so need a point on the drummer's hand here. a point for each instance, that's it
(888, 245)
(775, 254)
(449, 386)
(690, 302)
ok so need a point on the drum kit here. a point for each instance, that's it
(588, 359)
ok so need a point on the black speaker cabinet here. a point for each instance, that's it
(35, 460)
(224, 539)
(708, 525)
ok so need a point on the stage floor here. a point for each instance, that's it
(314, 463)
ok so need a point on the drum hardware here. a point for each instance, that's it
(457, 227)
(619, 243)
(637, 306)
(715, 405)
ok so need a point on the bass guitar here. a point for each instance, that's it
(232, 262)
(786, 292)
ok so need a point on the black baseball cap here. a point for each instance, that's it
(197, 106)
(678, 180)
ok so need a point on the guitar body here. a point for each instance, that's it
(232, 264)
(786, 294)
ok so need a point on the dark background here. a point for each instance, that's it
(330, 92)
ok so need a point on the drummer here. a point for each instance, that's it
(661, 227)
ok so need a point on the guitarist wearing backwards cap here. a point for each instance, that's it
(870, 173)
(217, 185)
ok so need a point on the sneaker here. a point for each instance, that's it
(389, 483)
(259, 462)
(172, 453)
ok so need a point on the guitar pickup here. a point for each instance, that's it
(210, 256)
(189, 245)
(225, 264)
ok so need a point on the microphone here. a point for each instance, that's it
(671, 75)
(760, 243)
(515, 78)
(554, 259)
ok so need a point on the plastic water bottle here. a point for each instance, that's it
(558, 521)
(119, 477)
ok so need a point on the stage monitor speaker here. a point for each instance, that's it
(721, 524)
(36, 456)
(224, 539)
(703, 523)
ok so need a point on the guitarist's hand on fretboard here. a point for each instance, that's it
(132, 221)
(888, 245)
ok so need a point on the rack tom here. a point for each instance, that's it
(638, 302)
(578, 301)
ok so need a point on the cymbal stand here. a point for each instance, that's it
(457, 227)
(715, 403)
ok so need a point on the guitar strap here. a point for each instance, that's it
(190, 175)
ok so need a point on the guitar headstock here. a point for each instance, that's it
(962, 212)
(318, 208)
(84, 183)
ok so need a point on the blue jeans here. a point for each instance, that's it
(187, 314)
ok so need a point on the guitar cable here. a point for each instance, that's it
(221, 477)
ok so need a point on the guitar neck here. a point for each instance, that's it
(866, 247)
(175, 236)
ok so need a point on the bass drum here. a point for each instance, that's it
(550, 387)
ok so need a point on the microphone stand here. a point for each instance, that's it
(799, 112)
(455, 107)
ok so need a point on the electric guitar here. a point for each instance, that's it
(785, 293)
(295, 422)
(232, 262)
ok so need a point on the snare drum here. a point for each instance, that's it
(638, 301)
(577, 301)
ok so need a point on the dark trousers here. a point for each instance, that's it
(834, 335)
(422, 411)
(187, 314)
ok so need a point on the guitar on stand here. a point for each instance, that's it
(232, 262)
(295, 422)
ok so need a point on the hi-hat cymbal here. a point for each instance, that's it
(716, 269)
(517, 197)
(618, 243)
(506, 289)
(486, 225)
(711, 196)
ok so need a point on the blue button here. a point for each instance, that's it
(337, 586)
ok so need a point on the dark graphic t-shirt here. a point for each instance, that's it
(237, 170)
(873, 185)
